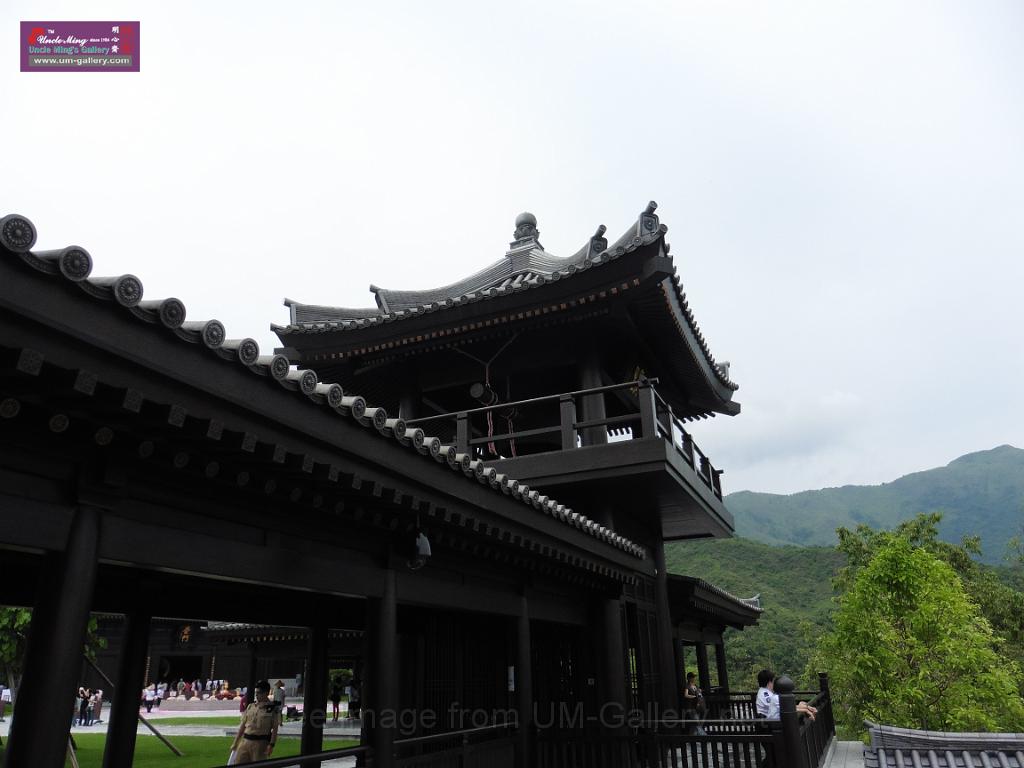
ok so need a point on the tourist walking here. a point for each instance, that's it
(149, 698)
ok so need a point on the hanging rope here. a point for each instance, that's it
(491, 447)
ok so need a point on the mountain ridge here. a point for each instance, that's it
(979, 493)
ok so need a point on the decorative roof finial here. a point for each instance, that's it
(648, 223)
(525, 233)
(526, 226)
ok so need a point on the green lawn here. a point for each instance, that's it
(200, 751)
(220, 722)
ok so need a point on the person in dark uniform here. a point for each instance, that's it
(257, 733)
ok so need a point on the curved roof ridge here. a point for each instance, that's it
(537, 267)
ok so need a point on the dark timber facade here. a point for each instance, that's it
(528, 422)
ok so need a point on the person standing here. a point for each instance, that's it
(695, 708)
(83, 706)
(97, 705)
(257, 733)
(149, 697)
(279, 696)
(336, 700)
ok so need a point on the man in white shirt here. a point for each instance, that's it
(767, 700)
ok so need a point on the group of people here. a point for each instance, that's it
(154, 693)
(88, 707)
(766, 701)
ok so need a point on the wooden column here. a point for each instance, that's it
(384, 680)
(524, 687)
(53, 656)
(250, 691)
(314, 696)
(723, 672)
(592, 406)
(616, 696)
(680, 655)
(703, 671)
(669, 697)
(124, 710)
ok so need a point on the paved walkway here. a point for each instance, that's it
(847, 754)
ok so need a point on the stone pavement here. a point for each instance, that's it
(847, 754)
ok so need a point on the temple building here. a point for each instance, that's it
(464, 492)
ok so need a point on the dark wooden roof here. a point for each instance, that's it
(317, 335)
(694, 599)
(72, 266)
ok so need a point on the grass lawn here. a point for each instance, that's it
(220, 722)
(200, 751)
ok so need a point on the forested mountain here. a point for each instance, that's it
(795, 585)
(981, 493)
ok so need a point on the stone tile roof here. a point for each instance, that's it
(893, 747)
(525, 266)
(753, 603)
(74, 264)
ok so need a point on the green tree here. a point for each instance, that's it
(999, 603)
(910, 648)
(14, 624)
(13, 630)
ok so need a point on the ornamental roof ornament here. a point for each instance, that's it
(526, 233)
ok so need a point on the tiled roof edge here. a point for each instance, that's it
(17, 238)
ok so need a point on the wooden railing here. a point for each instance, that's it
(361, 753)
(727, 741)
(750, 745)
(488, 747)
(653, 418)
(816, 734)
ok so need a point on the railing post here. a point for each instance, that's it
(688, 447)
(567, 411)
(462, 433)
(823, 686)
(648, 412)
(716, 481)
(794, 753)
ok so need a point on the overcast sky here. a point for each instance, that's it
(843, 184)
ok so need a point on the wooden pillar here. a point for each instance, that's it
(669, 697)
(314, 696)
(53, 656)
(703, 671)
(124, 710)
(250, 691)
(592, 406)
(384, 680)
(680, 654)
(613, 689)
(723, 672)
(524, 686)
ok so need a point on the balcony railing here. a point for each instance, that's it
(477, 432)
